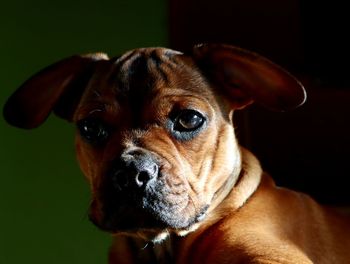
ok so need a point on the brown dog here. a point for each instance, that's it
(168, 178)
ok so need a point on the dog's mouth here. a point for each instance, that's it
(155, 207)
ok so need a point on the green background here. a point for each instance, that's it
(43, 195)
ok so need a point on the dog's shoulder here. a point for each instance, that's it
(282, 222)
(275, 225)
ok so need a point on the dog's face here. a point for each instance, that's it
(154, 127)
(152, 141)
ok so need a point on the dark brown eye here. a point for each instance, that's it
(188, 120)
(93, 130)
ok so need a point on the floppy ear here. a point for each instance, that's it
(246, 77)
(57, 87)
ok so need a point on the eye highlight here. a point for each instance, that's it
(93, 130)
(188, 120)
(186, 124)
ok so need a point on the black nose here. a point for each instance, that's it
(134, 170)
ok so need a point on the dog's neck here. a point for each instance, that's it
(248, 182)
(241, 190)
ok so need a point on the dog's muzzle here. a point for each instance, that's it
(134, 170)
(125, 192)
(138, 193)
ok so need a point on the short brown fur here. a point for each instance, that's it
(168, 178)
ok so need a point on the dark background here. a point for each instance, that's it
(43, 196)
(307, 149)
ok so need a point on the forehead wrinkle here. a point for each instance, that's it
(140, 78)
(151, 66)
(126, 67)
(137, 76)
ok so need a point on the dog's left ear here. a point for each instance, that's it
(246, 77)
(56, 88)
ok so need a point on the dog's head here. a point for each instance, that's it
(154, 127)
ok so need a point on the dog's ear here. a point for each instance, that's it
(56, 88)
(246, 77)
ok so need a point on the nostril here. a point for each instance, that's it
(142, 178)
(146, 174)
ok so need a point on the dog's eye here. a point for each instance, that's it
(93, 130)
(188, 120)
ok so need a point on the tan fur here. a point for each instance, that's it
(207, 200)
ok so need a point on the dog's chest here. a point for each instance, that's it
(149, 253)
(164, 252)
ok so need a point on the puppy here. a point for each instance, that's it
(168, 179)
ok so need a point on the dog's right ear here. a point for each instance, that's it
(246, 77)
(56, 88)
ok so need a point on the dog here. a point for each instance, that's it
(156, 142)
